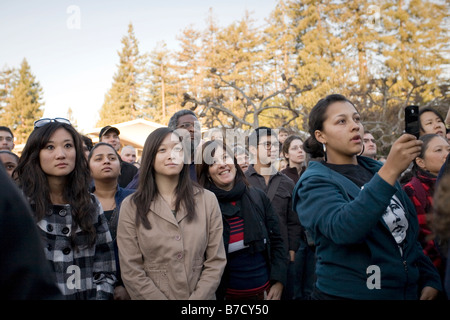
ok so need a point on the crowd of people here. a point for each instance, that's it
(277, 216)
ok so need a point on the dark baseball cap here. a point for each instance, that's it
(106, 130)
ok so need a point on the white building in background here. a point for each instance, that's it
(133, 133)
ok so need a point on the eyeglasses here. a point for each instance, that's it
(42, 122)
(187, 125)
(268, 145)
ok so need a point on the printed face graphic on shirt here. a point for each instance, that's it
(396, 220)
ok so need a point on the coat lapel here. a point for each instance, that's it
(161, 209)
(182, 213)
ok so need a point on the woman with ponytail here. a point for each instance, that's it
(362, 222)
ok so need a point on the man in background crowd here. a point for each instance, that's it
(6, 139)
(370, 146)
(110, 135)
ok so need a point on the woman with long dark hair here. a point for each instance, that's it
(420, 190)
(362, 222)
(256, 253)
(53, 174)
(170, 230)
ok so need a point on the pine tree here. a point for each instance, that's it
(7, 78)
(413, 43)
(123, 101)
(409, 66)
(280, 44)
(281, 64)
(72, 119)
(155, 84)
(25, 104)
(319, 50)
(189, 64)
(242, 79)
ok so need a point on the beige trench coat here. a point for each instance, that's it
(175, 259)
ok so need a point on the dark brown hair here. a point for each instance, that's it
(426, 138)
(204, 160)
(288, 141)
(429, 109)
(315, 122)
(147, 189)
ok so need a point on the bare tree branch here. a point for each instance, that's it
(251, 106)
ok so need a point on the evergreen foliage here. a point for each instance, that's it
(24, 105)
(124, 102)
(382, 54)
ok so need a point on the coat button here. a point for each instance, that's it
(49, 247)
(178, 237)
(66, 251)
(65, 230)
(63, 212)
(49, 228)
(179, 256)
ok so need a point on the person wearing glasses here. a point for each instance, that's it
(256, 253)
(170, 229)
(262, 173)
(185, 122)
(54, 176)
(362, 222)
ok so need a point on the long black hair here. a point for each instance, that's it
(34, 183)
(429, 109)
(426, 138)
(147, 190)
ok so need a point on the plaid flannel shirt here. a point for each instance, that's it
(86, 273)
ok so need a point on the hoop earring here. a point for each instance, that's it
(362, 151)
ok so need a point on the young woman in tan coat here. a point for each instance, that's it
(170, 230)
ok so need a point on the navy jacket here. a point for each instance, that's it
(357, 256)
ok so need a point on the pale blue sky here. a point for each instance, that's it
(75, 63)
